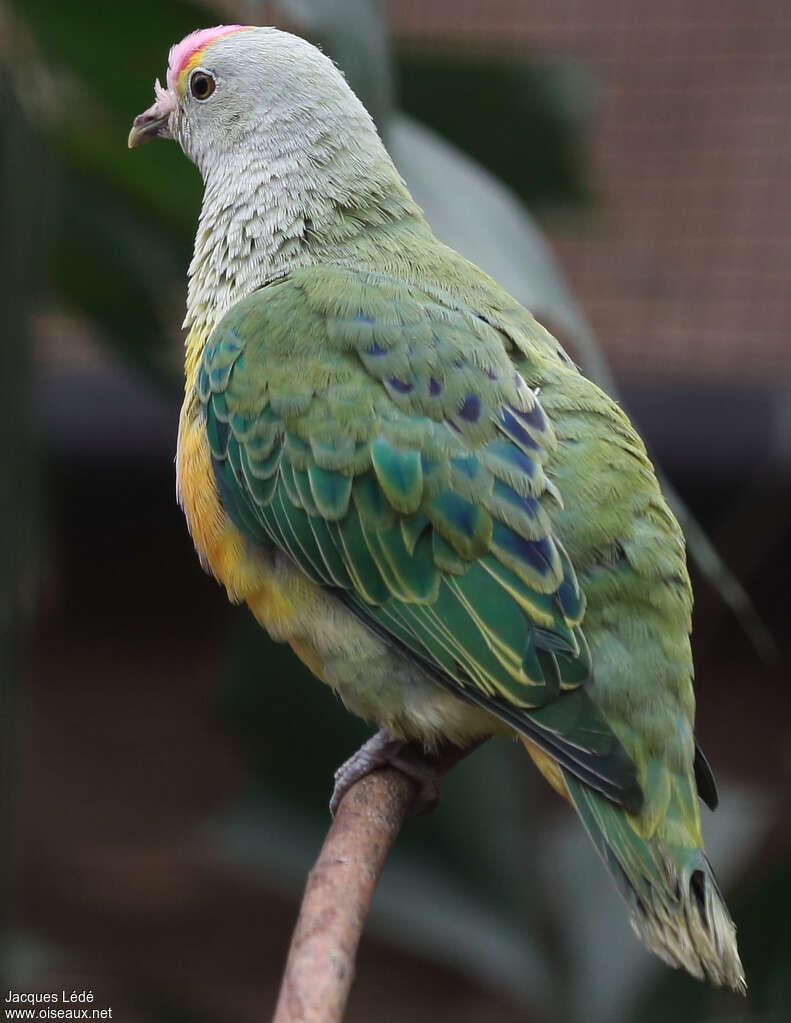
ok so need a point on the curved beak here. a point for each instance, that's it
(153, 123)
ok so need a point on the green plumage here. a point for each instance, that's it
(451, 478)
(454, 528)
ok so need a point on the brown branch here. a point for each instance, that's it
(321, 960)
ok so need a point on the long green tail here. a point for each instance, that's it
(675, 905)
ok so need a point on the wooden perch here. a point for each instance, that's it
(321, 959)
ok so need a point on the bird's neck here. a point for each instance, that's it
(261, 218)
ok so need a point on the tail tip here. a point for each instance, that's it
(699, 936)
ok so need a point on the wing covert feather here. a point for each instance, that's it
(387, 443)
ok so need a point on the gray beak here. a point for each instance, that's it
(153, 123)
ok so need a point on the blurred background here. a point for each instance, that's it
(623, 168)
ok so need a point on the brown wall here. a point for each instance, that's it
(684, 265)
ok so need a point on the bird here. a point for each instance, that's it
(404, 476)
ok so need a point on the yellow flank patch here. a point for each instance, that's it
(245, 570)
(547, 766)
(222, 548)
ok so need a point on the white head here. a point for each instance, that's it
(236, 93)
(290, 158)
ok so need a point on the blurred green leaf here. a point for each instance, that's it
(121, 230)
(105, 84)
(121, 287)
(521, 121)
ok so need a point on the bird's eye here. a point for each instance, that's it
(201, 85)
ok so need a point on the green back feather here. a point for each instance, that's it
(401, 449)
(387, 443)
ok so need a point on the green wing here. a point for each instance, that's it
(383, 438)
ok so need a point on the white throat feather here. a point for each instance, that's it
(290, 179)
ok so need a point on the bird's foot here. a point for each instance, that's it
(382, 750)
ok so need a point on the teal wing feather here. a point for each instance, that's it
(385, 441)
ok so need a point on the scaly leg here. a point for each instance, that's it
(382, 750)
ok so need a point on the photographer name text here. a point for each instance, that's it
(41, 1005)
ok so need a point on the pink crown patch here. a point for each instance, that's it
(181, 54)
